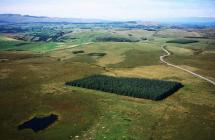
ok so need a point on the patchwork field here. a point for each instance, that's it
(33, 76)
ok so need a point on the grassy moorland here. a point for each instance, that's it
(32, 83)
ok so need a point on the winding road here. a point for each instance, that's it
(172, 65)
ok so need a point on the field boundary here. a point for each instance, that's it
(172, 65)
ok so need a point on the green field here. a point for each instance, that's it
(33, 77)
(7, 45)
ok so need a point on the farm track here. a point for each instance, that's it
(172, 65)
(73, 46)
(105, 69)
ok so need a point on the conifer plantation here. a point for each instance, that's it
(134, 87)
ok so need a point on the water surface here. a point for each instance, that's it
(38, 123)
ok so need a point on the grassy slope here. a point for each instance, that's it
(36, 87)
(118, 55)
(34, 47)
(41, 91)
(172, 118)
(177, 33)
(199, 55)
(140, 55)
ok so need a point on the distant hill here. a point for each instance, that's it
(178, 22)
(17, 18)
(187, 20)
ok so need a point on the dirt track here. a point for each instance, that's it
(172, 65)
(69, 47)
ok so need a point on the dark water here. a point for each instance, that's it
(38, 123)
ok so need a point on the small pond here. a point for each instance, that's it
(39, 123)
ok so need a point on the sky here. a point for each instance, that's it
(111, 9)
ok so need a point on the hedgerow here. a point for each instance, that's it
(182, 41)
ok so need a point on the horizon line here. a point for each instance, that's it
(123, 19)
